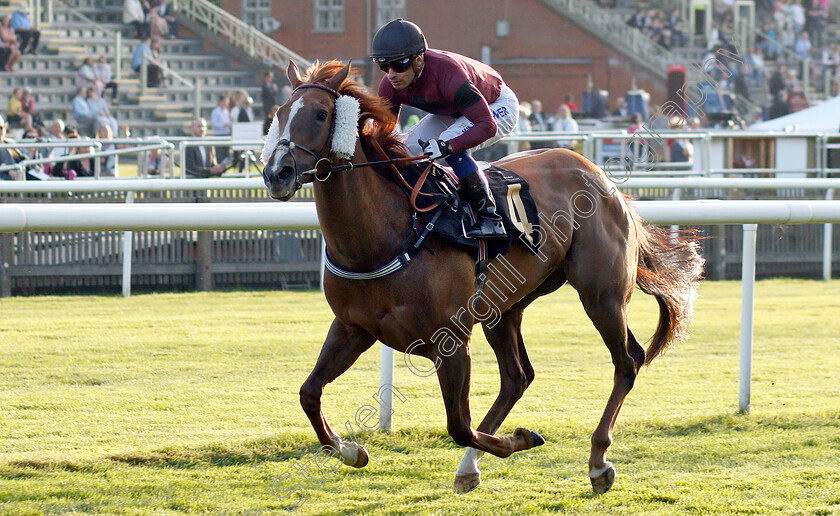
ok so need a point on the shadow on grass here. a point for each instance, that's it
(734, 422)
(249, 452)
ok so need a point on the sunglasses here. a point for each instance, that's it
(399, 65)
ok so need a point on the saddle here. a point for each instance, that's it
(452, 215)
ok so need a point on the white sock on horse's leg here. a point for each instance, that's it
(469, 462)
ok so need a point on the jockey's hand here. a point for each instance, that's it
(435, 149)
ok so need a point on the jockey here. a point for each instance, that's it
(469, 107)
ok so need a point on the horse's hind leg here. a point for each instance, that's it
(341, 349)
(608, 312)
(516, 373)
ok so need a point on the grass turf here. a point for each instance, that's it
(187, 404)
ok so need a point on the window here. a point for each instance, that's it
(255, 11)
(387, 10)
(329, 15)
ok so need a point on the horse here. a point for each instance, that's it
(590, 238)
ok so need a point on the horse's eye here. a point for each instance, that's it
(321, 116)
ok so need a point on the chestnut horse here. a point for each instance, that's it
(591, 238)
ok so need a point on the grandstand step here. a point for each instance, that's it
(145, 98)
(173, 115)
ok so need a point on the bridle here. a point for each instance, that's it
(324, 165)
(303, 177)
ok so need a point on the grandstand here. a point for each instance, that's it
(195, 66)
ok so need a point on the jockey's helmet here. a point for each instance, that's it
(397, 38)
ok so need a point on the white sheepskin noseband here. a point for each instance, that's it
(347, 112)
(346, 124)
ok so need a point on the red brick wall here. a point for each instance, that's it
(536, 32)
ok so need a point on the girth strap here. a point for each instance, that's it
(402, 260)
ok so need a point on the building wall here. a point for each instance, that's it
(545, 56)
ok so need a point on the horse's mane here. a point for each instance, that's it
(377, 121)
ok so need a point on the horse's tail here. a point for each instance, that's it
(670, 269)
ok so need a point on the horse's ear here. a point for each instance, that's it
(338, 78)
(293, 74)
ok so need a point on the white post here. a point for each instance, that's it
(128, 238)
(117, 56)
(386, 384)
(747, 298)
(827, 244)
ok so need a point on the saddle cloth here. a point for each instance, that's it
(513, 202)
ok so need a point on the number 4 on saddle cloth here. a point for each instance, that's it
(449, 220)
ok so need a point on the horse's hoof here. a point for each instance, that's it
(602, 478)
(466, 483)
(362, 459)
(532, 439)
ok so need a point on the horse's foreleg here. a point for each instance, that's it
(454, 377)
(341, 349)
(627, 357)
(516, 374)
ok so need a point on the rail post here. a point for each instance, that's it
(7, 251)
(747, 308)
(386, 383)
(827, 242)
(128, 245)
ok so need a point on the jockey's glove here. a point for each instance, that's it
(436, 149)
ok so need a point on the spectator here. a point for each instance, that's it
(739, 82)
(803, 46)
(86, 76)
(269, 117)
(154, 74)
(796, 16)
(567, 101)
(539, 123)
(220, 124)
(564, 123)
(27, 36)
(245, 111)
(201, 160)
(621, 108)
(158, 24)
(757, 68)
(29, 107)
(107, 164)
(8, 41)
(638, 20)
(15, 112)
(779, 107)
(817, 15)
(103, 73)
(8, 156)
(270, 91)
(636, 123)
(523, 126)
(770, 45)
(777, 81)
(82, 113)
(164, 10)
(78, 167)
(56, 134)
(680, 150)
(285, 94)
(100, 112)
(134, 14)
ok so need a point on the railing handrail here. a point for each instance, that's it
(614, 29)
(240, 34)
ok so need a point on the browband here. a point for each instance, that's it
(319, 86)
